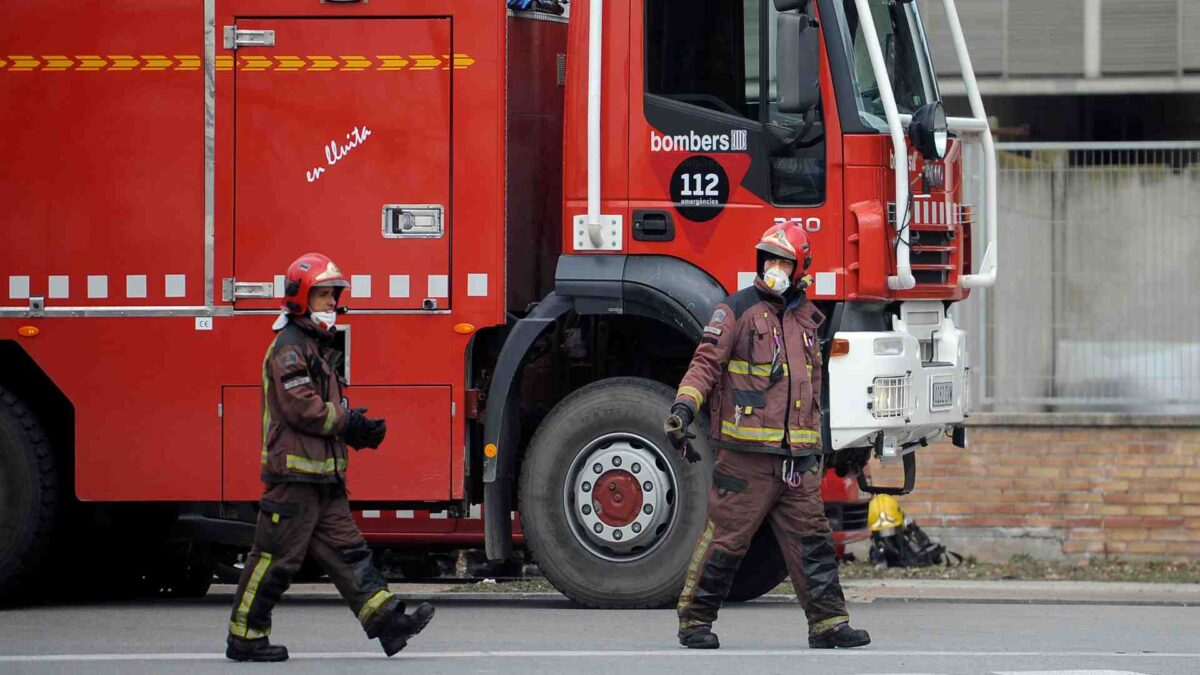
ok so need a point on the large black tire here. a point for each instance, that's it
(28, 495)
(761, 570)
(615, 426)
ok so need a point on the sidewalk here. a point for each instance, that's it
(859, 591)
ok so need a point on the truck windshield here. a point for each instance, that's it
(905, 53)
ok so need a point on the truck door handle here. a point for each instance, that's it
(652, 225)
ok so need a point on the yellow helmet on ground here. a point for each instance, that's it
(885, 515)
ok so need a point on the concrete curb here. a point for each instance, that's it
(857, 591)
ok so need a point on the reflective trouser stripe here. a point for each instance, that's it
(368, 610)
(330, 418)
(827, 625)
(238, 625)
(693, 570)
(692, 393)
(750, 433)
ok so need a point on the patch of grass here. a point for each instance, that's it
(1026, 568)
(531, 585)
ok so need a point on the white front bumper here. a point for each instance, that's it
(909, 413)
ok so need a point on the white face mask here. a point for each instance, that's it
(327, 319)
(776, 280)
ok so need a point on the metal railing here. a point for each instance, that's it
(1097, 308)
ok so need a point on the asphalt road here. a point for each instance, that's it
(552, 636)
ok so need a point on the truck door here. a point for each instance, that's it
(342, 149)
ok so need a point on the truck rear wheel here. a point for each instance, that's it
(28, 494)
(610, 511)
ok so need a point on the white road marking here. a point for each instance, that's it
(679, 653)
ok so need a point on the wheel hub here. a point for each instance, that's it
(617, 498)
(620, 497)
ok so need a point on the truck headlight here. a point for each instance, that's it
(889, 346)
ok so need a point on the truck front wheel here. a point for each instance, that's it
(609, 510)
(28, 494)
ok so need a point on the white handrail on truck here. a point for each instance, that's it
(897, 124)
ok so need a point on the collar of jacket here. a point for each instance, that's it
(310, 327)
(809, 315)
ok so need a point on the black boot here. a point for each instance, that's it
(258, 649)
(841, 636)
(400, 627)
(700, 637)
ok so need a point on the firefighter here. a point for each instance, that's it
(760, 362)
(304, 511)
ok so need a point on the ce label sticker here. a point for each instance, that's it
(700, 188)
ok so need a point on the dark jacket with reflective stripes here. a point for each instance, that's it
(731, 371)
(303, 411)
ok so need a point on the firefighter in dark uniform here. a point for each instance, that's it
(304, 511)
(758, 368)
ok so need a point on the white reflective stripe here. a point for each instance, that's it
(439, 286)
(404, 514)
(476, 512)
(826, 284)
(97, 285)
(18, 288)
(398, 286)
(360, 286)
(437, 515)
(477, 285)
(745, 280)
(297, 382)
(280, 285)
(60, 287)
(135, 285)
(176, 285)
(371, 514)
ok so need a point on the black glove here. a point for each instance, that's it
(678, 433)
(362, 431)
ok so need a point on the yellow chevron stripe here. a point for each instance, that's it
(229, 62)
(252, 63)
(59, 63)
(124, 62)
(23, 63)
(356, 63)
(157, 62)
(288, 64)
(392, 62)
(322, 63)
(425, 62)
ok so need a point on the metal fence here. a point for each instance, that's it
(1097, 307)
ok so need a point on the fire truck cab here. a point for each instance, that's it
(539, 211)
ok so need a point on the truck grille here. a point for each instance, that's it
(933, 234)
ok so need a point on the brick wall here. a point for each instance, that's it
(1062, 486)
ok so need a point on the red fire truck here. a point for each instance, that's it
(539, 214)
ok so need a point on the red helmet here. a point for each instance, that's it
(789, 242)
(311, 270)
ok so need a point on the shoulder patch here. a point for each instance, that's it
(719, 317)
(288, 359)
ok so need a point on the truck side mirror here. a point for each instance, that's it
(798, 61)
